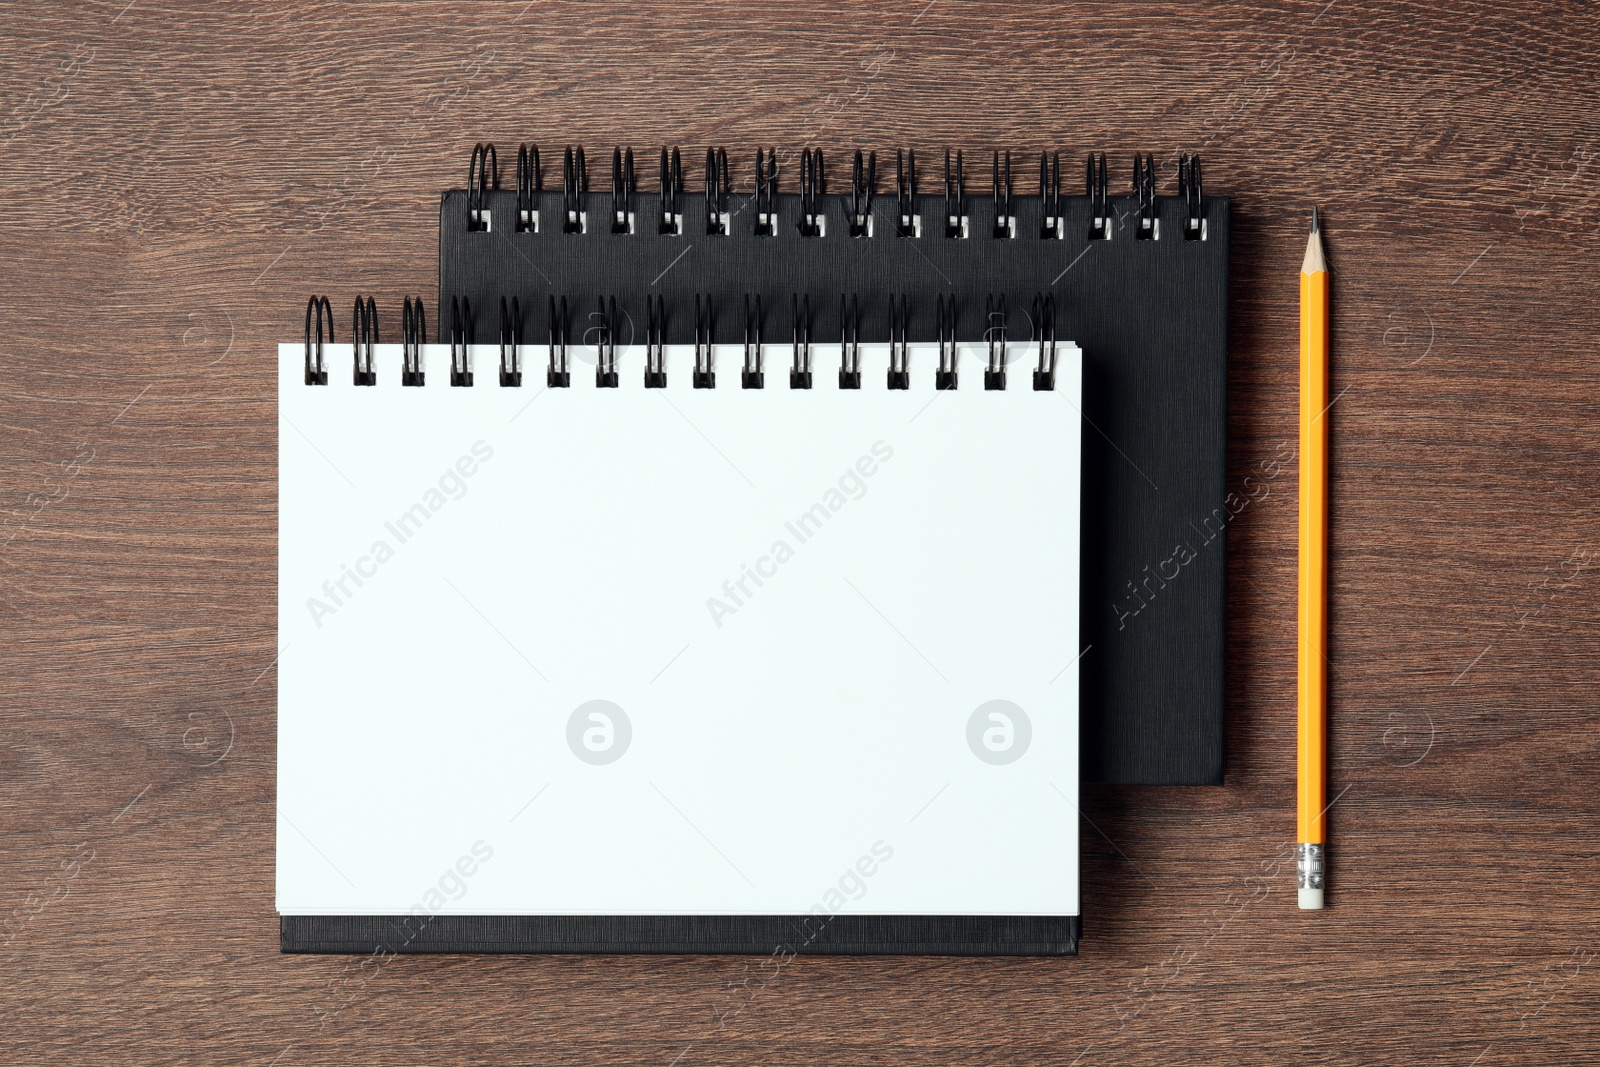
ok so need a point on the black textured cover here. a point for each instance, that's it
(1151, 317)
(778, 935)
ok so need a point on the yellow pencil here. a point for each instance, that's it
(1312, 743)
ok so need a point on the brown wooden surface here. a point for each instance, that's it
(176, 177)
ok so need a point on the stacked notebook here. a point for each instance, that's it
(754, 568)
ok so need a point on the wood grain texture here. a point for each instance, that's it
(176, 177)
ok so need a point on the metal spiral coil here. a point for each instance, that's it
(318, 310)
(1044, 324)
(1144, 195)
(813, 186)
(994, 332)
(1099, 193)
(766, 204)
(461, 338)
(622, 191)
(655, 342)
(718, 181)
(899, 346)
(483, 174)
(559, 375)
(753, 375)
(1191, 192)
(1005, 223)
(605, 369)
(1051, 223)
(849, 342)
(413, 335)
(863, 187)
(800, 373)
(905, 188)
(671, 221)
(574, 192)
(705, 373)
(955, 197)
(510, 343)
(945, 327)
(364, 335)
(530, 183)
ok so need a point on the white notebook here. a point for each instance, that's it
(677, 652)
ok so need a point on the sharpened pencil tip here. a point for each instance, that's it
(1315, 259)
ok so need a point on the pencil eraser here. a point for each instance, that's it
(1310, 899)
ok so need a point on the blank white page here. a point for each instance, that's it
(832, 634)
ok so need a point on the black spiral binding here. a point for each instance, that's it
(671, 221)
(1144, 193)
(530, 183)
(1191, 192)
(655, 342)
(413, 331)
(718, 181)
(574, 192)
(813, 186)
(1099, 192)
(605, 368)
(1052, 224)
(1005, 223)
(461, 338)
(559, 375)
(510, 343)
(483, 174)
(1044, 323)
(859, 212)
(753, 376)
(766, 193)
(994, 332)
(863, 187)
(364, 335)
(800, 373)
(899, 346)
(705, 373)
(318, 309)
(483, 177)
(849, 343)
(955, 197)
(945, 330)
(905, 189)
(622, 191)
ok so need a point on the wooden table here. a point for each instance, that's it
(177, 177)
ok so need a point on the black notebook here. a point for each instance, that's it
(1139, 280)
